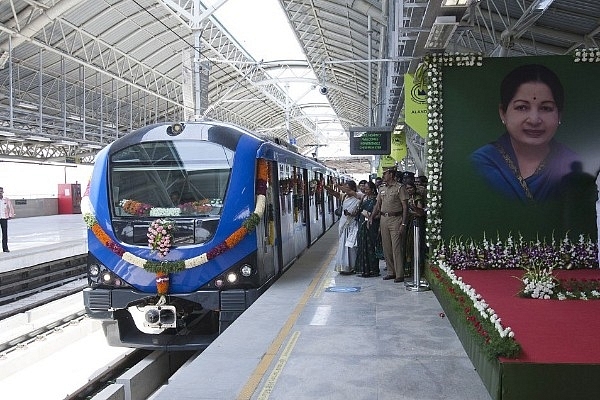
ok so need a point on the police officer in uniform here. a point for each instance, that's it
(392, 207)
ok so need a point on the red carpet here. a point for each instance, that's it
(549, 331)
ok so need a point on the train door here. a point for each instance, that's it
(286, 213)
(300, 210)
(315, 209)
(267, 232)
(327, 201)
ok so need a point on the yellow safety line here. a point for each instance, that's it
(270, 383)
(262, 367)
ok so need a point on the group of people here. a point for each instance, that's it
(377, 223)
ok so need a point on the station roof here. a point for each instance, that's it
(77, 74)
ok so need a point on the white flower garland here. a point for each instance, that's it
(479, 303)
(165, 212)
(435, 139)
(587, 55)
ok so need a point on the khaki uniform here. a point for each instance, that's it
(391, 197)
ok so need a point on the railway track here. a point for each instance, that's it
(139, 373)
(48, 286)
(56, 279)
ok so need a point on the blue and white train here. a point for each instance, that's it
(189, 223)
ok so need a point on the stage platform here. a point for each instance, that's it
(36, 240)
(560, 348)
(316, 334)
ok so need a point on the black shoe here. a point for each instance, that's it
(399, 280)
(388, 277)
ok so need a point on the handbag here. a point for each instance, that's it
(339, 211)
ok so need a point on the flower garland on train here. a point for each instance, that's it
(163, 267)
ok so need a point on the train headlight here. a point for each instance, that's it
(246, 270)
(232, 277)
(106, 277)
(219, 283)
(94, 270)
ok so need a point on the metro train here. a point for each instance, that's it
(189, 223)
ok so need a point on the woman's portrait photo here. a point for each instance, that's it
(527, 162)
(521, 147)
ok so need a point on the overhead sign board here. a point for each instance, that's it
(370, 140)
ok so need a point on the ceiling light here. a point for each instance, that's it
(543, 4)
(92, 146)
(455, 3)
(28, 106)
(442, 30)
(67, 143)
(38, 138)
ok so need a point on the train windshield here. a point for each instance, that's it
(170, 179)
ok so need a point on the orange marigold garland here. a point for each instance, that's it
(236, 237)
(162, 283)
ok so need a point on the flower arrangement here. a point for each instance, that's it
(538, 282)
(135, 207)
(160, 236)
(193, 207)
(517, 253)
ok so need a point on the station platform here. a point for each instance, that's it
(36, 240)
(316, 334)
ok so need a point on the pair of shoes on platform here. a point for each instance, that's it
(388, 277)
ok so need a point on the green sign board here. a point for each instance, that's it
(370, 140)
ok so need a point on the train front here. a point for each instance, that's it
(172, 249)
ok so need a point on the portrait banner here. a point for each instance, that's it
(519, 149)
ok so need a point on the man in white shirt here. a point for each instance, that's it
(7, 212)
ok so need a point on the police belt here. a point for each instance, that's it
(391, 214)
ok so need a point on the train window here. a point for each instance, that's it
(170, 179)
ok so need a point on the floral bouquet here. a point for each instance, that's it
(539, 283)
(160, 236)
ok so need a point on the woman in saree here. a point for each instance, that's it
(367, 262)
(345, 257)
